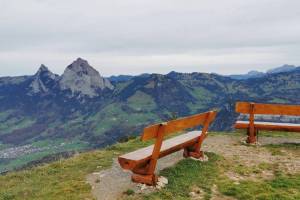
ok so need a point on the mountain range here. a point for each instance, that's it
(250, 74)
(47, 114)
(258, 74)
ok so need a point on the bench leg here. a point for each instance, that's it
(143, 174)
(252, 137)
(192, 152)
(145, 179)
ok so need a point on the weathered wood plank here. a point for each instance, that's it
(141, 156)
(176, 125)
(269, 126)
(150, 132)
(271, 109)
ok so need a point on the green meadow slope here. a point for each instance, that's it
(55, 122)
(227, 175)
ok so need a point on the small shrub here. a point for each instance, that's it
(129, 192)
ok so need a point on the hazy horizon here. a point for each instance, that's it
(135, 37)
(140, 73)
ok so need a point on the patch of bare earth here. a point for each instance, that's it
(111, 184)
(255, 162)
(246, 163)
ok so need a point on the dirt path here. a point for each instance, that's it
(110, 184)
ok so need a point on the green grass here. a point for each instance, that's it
(204, 98)
(278, 134)
(186, 174)
(64, 179)
(113, 114)
(189, 173)
(141, 101)
(244, 170)
(129, 192)
(278, 149)
(282, 187)
(60, 180)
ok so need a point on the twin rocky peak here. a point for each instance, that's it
(79, 78)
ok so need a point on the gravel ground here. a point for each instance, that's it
(110, 184)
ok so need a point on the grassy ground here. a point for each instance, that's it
(189, 179)
(280, 149)
(283, 187)
(189, 175)
(64, 179)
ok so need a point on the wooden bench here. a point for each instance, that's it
(253, 126)
(142, 162)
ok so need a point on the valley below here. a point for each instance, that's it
(46, 116)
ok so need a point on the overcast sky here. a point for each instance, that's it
(139, 36)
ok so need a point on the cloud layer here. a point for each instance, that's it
(138, 36)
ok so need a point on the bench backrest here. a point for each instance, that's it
(267, 109)
(178, 125)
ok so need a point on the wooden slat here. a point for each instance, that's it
(150, 132)
(140, 156)
(269, 126)
(271, 109)
(177, 125)
(242, 107)
(185, 123)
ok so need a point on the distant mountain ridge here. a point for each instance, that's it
(284, 68)
(257, 74)
(120, 78)
(250, 74)
(47, 114)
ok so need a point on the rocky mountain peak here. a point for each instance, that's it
(44, 72)
(42, 81)
(43, 68)
(83, 79)
(80, 65)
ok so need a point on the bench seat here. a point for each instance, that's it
(141, 156)
(254, 126)
(269, 126)
(142, 162)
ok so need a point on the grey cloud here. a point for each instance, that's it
(132, 36)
